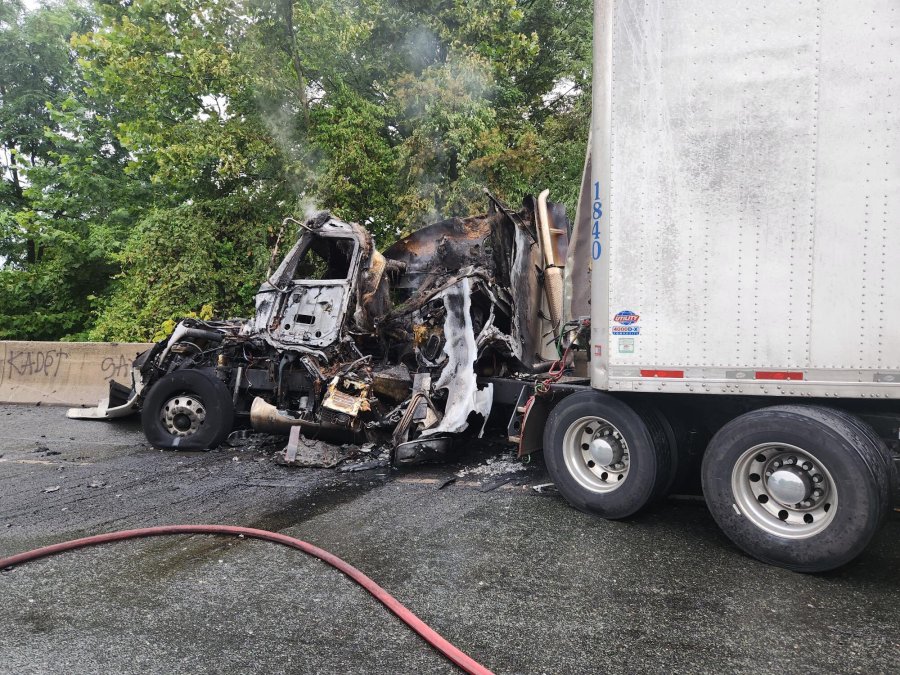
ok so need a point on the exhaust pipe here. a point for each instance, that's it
(266, 418)
(553, 276)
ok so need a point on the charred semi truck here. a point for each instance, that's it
(351, 344)
(725, 307)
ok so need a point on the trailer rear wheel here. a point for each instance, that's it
(803, 487)
(605, 456)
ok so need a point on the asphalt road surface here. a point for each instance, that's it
(515, 578)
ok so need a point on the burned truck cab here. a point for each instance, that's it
(349, 344)
(313, 313)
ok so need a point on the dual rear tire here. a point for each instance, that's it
(803, 487)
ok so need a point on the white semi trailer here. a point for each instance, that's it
(740, 232)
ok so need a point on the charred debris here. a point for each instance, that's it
(351, 345)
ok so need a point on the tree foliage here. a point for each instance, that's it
(151, 148)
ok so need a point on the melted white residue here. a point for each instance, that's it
(458, 376)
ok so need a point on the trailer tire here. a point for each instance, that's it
(187, 410)
(802, 487)
(689, 439)
(884, 454)
(605, 456)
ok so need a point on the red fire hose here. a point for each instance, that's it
(465, 662)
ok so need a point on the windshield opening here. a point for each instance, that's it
(325, 258)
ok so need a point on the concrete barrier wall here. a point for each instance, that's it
(64, 373)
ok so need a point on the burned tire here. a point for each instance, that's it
(605, 456)
(802, 487)
(187, 410)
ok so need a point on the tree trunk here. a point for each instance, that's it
(287, 10)
(31, 253)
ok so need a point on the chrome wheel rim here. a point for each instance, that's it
(596, 454)
(182, 415)
(784, 490)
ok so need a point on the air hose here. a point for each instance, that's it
(462, 660)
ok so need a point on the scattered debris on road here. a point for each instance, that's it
(507, 463)
(449, 480)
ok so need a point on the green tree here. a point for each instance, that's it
(198, 138)
(149, 159)
(50, 259)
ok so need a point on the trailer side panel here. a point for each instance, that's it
(751, 164)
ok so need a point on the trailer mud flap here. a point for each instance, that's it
(526, 426)
(534, 419)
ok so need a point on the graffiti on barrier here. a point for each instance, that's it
(25, 362)
(115, 367)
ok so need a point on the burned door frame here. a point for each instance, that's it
(278, 297)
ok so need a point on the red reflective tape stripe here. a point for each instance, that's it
(778, 375)
(662, 373)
